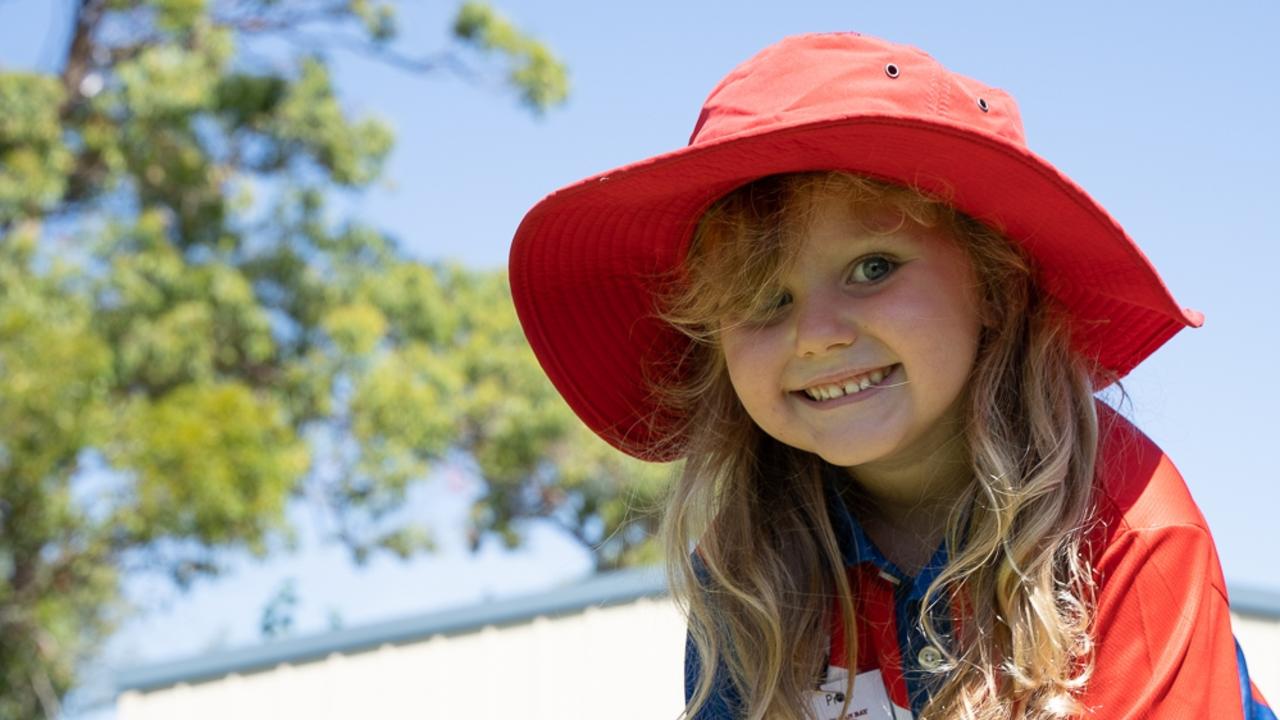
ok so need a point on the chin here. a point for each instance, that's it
(846, 459)
(850, 454)
(844, 456)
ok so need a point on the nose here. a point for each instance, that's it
(821, 327)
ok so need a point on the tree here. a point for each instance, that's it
(171, 373)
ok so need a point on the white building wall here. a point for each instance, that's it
(1260, 640)
(621, 662)
(624, 661)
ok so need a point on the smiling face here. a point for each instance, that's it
(862, 353)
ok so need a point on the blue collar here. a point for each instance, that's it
(857, 548)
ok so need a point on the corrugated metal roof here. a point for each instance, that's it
(1254, 602)
(600, 590)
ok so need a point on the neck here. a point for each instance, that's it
(909, 494)
(903, 504)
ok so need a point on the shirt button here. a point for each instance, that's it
(930, 658)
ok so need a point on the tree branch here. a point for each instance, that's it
(80, 53)
(43, 687)
(428, 63)
(255, 23)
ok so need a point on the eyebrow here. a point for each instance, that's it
(864, 240)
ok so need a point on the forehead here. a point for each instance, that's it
(830, 222)
(829, 211)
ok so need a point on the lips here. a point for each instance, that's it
(830, 390)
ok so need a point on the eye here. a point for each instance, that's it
(777, 302)
(872, 269)
(770, 308)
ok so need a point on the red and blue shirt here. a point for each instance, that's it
(1164, 645)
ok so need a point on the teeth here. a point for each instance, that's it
(831, 392)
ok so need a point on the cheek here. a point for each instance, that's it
(755, 371)
(744, 360)
(957, 341)
(937, 331)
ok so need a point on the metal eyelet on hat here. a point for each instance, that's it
(982, 104)
(891, 70)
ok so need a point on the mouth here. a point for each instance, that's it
(851, 385)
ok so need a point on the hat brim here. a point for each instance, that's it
(586, 260)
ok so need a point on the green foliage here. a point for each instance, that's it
(310, 117)
(178, 15)
(56, 594)
(212, 463)
(195, 325)
(410, 297)
(171, 321)
(277, 616)
(543, 79)
(248, 101)
(537, 457)
(404, 402)
(379, 19)
(355, 328)
(166, 83)
(33, 160)
(56, 372)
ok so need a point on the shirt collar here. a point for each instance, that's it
(856, 548)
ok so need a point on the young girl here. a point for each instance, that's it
(872, 323)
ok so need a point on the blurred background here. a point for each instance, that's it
(261, 386)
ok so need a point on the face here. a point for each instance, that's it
(866, 347)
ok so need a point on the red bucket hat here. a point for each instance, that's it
(586, 260)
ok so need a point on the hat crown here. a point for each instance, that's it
(807, 79)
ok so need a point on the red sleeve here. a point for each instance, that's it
(1164, 645)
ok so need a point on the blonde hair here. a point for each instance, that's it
(757, 509)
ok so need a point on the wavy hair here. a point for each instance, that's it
(756, 509)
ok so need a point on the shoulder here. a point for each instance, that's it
(1146, 519)
(1161, 619)
(1137, 486)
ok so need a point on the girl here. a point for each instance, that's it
(872, 323)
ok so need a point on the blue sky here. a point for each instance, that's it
(1164, 112)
